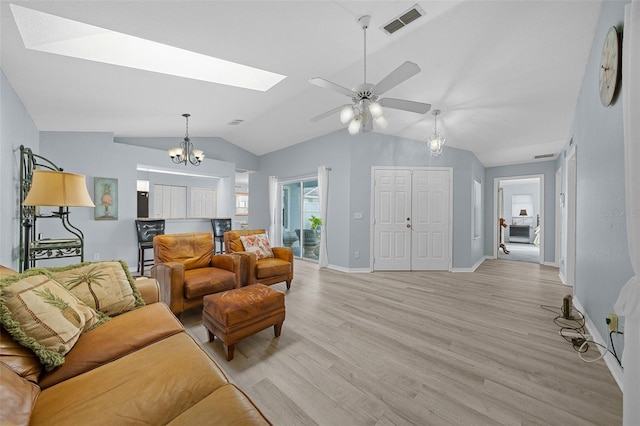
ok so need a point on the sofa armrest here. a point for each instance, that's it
(229, 262)
(149, 289)
(170, 277)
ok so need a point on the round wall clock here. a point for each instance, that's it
(609, 66)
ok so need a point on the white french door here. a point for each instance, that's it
(392, 220)
(412, 219)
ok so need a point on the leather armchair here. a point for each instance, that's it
(187, 270)
(265, 271)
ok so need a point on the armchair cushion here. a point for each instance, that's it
(271, 267)
(258, 244)
(202, 281)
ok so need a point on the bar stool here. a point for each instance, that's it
(147, 229)
(220, 226)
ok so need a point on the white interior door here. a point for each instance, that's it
(430, 220)
(392, 220)
(412, 220)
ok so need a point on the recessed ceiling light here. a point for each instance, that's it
(53, 34)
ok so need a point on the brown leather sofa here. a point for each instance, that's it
(265, 271)
(141, 367)
(187, 269)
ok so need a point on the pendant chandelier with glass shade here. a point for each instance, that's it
(185, 153)
(435, 141)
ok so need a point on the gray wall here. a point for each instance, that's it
(546, 168)
(351, 159)
(602, 257)
(76, 152)
(303, 160)
(214, 148)
(16, 128)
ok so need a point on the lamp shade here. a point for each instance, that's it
(523, 212)
(61, 189)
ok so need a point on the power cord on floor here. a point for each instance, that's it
(573, 330)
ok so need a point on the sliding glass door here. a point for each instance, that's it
(301, 220)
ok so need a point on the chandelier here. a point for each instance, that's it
(435, 141)
(186, 152)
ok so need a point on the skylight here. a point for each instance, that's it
(52, 34)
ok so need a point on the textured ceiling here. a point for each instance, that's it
(506, 74)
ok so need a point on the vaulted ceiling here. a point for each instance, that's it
(506, 74)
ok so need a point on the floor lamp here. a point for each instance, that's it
(56, 189)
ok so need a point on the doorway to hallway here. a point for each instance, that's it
(520, 205)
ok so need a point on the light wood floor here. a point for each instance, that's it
(420, 348)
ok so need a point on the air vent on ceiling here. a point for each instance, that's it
(403, 20)
(538, 157)
(235, 122)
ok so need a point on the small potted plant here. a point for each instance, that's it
(315, 223)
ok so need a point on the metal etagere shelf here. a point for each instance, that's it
(31, 247)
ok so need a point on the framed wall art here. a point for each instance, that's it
(105, 192)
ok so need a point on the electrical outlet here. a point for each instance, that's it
(356, 254)
(96, 256)
(612, 321)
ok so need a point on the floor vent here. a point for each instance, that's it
(539, 157)
(235, 122)
(403, 20)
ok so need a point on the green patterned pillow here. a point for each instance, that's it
(43, 316)
(105, 286)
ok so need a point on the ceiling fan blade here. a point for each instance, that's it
(326, 84)
(403, 104)
(328, 113)
(395, 77)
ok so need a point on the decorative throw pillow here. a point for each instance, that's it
(258, 244)
(105, 286)
(43, 316)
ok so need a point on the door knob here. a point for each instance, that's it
(408, 225)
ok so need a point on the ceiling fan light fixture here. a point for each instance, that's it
(381, 122)
(375, 109)
(367, 107)
(346, 114)
(354, 126)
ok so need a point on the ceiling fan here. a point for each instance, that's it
(366, 106)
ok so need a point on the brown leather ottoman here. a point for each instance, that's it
(235, 314)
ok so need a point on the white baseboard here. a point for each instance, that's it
(609, 359)
(474, 267)
(550, 264)
(562, 278)
(349, 270)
